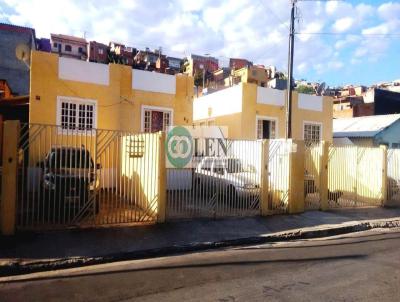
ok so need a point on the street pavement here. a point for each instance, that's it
(362, 266)
(78, 246)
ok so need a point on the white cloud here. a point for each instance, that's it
(389, 11)
(343, 24)
(257, 30)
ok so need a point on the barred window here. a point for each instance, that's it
(312, 132)
(156, 120)
(266, 129)
(76, 114)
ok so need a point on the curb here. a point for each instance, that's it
(19, 267)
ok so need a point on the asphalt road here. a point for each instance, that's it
(359, 267)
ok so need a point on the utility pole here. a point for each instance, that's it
(290, 73)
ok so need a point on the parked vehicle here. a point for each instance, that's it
(225, 176)
(68, 177)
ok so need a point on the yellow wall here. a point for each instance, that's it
(118, 105)
(325, 118)
(251, 109)
(242, 125)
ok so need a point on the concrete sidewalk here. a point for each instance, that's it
(28, 252)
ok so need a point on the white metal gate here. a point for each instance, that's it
(355, 176)
(218, 185)
(312, 175)
(278, 175)
(75, 177)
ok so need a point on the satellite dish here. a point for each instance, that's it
(321, 89)
(23, 53)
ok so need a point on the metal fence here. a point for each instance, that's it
(278, 175)
(104, 177)
(226, 184)
(355, 176)
(86, 177)
(312, 175)
(393, 174)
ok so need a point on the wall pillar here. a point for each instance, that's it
(9, 177)
(324, 162)
(384, 175)
(296, 177)
(264, 178)
(162, 179)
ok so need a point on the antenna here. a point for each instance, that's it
(321, 89)
(23, 53)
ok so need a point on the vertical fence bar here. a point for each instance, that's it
(384, 150)
(323, 188)
(296, 176)
(162, 178)
(264, 185)
(9, 177)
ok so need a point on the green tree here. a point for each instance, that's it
(305, 89)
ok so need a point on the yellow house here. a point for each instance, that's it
(253, 112)
(252, 74)
(79, 95)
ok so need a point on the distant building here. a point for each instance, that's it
(385, 101)
(373, 102)
(151, 60)
(235, 63)
(43, 44)
(221, 78)
(174, 64)
(98, 52)
(351, 106)
(69, 46)
(368, 131)
(276, 83)
(13, 70)
(254, 74)
(122, 54)
(197, 64)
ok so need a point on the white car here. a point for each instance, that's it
(226, 176)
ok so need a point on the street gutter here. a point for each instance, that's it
(18, 267)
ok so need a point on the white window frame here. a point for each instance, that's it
(156, 108)
(267, 118)
(313, 123)
(77, 101)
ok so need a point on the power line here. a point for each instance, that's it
(274, 15)
(349, 34)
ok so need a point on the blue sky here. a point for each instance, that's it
(254, 29)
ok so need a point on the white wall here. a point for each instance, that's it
(270, 96)
(153, 81)
(223, 102)
(82, 71)
(310, 102)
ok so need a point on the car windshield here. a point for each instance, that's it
(233, 165)
(71, 158)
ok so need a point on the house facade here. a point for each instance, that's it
(253, 74)
(98, 52)
(196, 64)
(78, 95)
(69, 46)
(253, 112)
(13, 70)
(368, 131)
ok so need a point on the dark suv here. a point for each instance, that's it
(69, 175)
